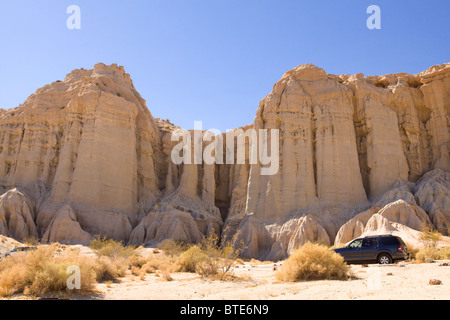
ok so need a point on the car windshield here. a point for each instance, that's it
(356, 244)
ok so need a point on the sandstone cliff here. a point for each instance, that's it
(84, 156)
(347, 144)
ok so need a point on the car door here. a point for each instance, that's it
(368, 251)
(352, 254)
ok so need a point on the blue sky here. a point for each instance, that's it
(214, 60)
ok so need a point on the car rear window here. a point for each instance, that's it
(401, 241)
(389, 241)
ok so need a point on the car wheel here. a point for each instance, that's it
(384, 258)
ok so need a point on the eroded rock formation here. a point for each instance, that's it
(84, 157)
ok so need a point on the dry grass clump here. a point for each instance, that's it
(444, 253)
(129, 258)
(313, 262)
(430, 239)
(155, 263)
(210, 259)
(114, 258)
(172, 248)
(43, 271)
(111, 248)
(188, 260)
(427, 253)
(433, 253)
(412, 250)
(107, 269)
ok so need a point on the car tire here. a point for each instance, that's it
(384, 258)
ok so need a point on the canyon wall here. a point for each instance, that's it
(84, 157)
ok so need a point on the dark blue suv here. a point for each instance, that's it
(383, 249)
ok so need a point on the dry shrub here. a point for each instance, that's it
(107, 269)
(433, 253)
(209, 259)
(31, 241)
(239, 261)
(172, 248)
(444, 253)
(43, 271)
(430, 237)
(115, 259)
(412, 250)
(157, 262)
(188, 260)
(111, 248)
(136, 261)
(427, 253)
(313, 262)
(165, 275)
(135, 271)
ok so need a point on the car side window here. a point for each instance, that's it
(370, 243)
(389, 241)
(356, 244)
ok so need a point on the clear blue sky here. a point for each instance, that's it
(214, 60)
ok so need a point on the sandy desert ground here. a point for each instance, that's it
(399, 281)
(257, 281)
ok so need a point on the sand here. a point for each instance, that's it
(400, 281)
(257, 281)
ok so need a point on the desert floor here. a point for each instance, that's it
(399, 281)
(403, 281)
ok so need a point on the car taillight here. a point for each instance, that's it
(400, 249)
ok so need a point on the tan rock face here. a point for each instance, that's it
(166, 223)
(65, 228)
(89, 140)
(17, 215)
(349, 143)
(375, 221)
(432, 194)
(357, 155)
